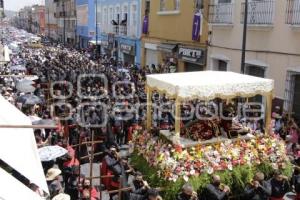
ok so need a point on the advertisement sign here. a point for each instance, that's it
(82, 15)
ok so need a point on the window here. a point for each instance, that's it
(133, 20)
(104, 25)
(162, 5)
(147, 7)
(198, 4)
(176, 4)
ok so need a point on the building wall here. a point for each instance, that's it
(176, 26)
(273, 47)
(51, 20)
(173, 27)
(87, 31)
(107, 11)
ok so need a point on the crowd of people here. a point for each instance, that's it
(107, 99)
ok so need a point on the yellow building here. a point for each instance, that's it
(169, 37)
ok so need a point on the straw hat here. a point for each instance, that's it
(52, 174)
(62, 196)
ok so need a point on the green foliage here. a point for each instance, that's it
(236, 179)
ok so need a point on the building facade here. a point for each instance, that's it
(86, 25)
(38, 19)
(66, 21)
(175, 34)
(120, 22)
(25, 19)
(273, 49)
(51, 20)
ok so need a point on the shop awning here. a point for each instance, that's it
(169, 48)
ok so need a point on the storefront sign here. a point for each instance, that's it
(128, 49)
(192, 55)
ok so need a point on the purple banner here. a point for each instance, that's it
(196, 26)
(146, 25)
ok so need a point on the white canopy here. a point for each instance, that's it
(208, 85)
(18, 147)
(13, 189)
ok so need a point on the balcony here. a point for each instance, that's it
(116, 29)
(221, 13)
(260, 13)
(293, 12)
(123, 30)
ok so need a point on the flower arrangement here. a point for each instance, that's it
(173, 162)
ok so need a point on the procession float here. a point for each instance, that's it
(212, 143)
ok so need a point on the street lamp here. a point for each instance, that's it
(244, 37)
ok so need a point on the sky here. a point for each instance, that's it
(16, 5)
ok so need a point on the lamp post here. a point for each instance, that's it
(64, 15)
(244, 37)
(96, 4)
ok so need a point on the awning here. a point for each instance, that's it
(169, 48)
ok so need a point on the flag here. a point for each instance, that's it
(146, 24)
(197, 26)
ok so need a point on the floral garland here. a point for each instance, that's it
(175, 162)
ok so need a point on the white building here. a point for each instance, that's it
(273, 43)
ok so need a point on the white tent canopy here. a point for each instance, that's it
(208, 85)
(13, 189)
(18, 147)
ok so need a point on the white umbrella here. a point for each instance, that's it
(51, 152)
(34, 118)
(32, 78)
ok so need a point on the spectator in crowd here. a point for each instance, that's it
(258, 189)
(53, 181)
(279, 186)
(216, 190)
(187, 193)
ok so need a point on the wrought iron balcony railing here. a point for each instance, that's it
(221, 13)
(293, 12)
(259, 12)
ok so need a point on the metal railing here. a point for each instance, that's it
(293, 12)
(259, 12)
(116, 29)
(123, 30)
(221, 13)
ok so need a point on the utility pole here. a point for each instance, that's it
(244, 37)
(96, 2)
(64, 15)
(48, 24)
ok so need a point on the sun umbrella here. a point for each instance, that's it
(49, 153)
(18, 68)
(25, 86)
(34, 119)
(29, 99)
